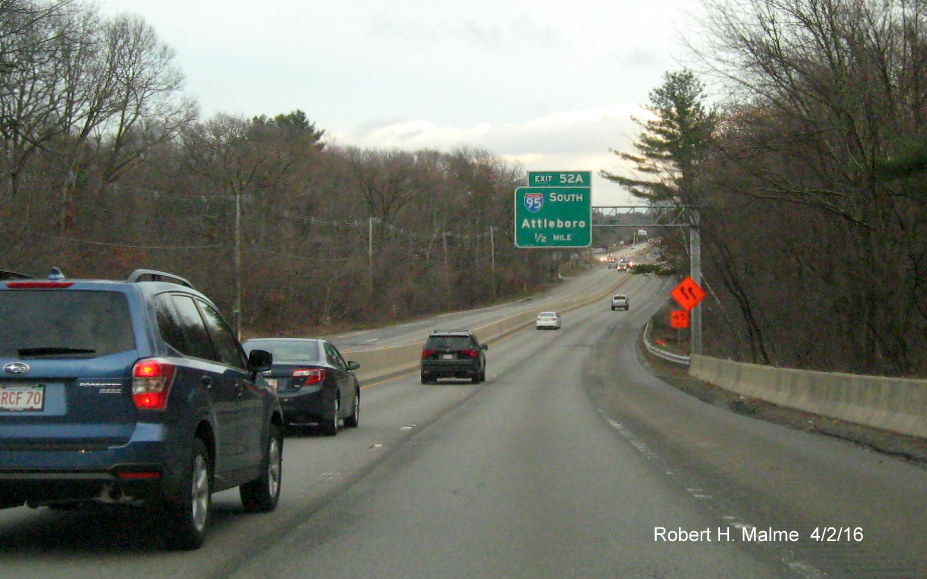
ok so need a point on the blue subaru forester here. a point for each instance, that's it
(131, 393)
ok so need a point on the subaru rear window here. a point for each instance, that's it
(62, 324)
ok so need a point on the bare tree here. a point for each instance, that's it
(827, 102)
(384, 180)
(33, 43)
(147, 103)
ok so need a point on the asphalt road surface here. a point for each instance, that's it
(571, 460)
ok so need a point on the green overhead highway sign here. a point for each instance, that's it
(560, 178)
(553, 216)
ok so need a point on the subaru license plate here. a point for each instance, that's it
(22, 397)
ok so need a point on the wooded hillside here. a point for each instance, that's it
(107, 167)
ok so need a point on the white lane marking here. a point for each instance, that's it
(801, 568)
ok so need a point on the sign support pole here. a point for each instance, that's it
(695, 266)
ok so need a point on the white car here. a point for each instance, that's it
(548, 320)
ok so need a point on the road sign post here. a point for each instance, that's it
(555, 210)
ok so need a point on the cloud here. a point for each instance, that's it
(578, 140)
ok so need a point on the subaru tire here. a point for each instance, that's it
(187, 515)
(263, 493)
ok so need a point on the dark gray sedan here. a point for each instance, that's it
(315, 384)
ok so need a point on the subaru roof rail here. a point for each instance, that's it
(4, 274)
(154, 275)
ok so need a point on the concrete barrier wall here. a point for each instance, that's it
(895, 404)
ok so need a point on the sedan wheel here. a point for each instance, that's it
(354, 419)
(330, 425)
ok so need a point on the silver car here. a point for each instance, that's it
(619, 302)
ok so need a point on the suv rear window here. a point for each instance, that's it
(448, 343)
(64, 323)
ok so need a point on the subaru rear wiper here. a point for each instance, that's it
(53, 351)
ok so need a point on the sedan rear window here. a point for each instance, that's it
(51, 323)
(303, 350)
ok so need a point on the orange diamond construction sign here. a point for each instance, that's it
(688, 293)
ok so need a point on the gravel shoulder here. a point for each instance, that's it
(906, 448)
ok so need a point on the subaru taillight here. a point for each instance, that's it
(308, 376)
(151, 383)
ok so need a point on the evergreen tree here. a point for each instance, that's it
(671, 144)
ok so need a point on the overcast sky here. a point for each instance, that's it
(551, 84)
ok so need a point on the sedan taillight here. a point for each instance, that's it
(308, 376)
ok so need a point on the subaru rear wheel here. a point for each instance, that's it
(187, 516)
(263, 493)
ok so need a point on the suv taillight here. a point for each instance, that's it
(470, 353)
(428, 353)
(308, 376)
(151, 383)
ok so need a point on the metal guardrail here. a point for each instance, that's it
(660, 353)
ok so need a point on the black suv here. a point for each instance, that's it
(131, 393)
(453, 354)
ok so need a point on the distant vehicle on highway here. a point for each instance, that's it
(132, 393)
(620, 302)
(548, 320)
(453, 354)
(315, 384)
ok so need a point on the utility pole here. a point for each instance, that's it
(370, 257)
(236, 312)
(492, 250)
(492, 260)
(444, 243)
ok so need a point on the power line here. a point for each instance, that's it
(126, 245)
